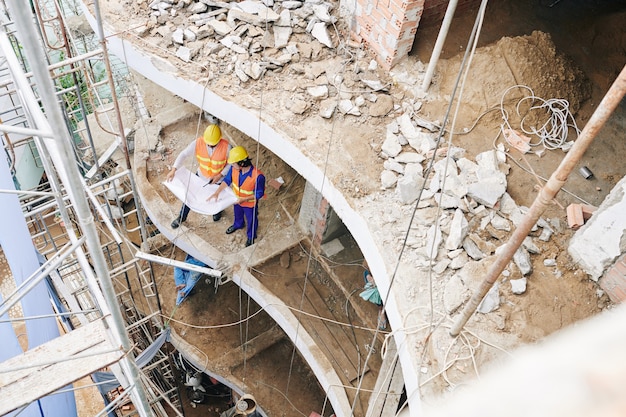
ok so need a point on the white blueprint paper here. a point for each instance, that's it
(194, 191)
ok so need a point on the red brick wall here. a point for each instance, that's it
(320, 223)
(388, 27)
(614, 280)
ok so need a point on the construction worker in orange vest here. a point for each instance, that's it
(248, 183)
(211, 151)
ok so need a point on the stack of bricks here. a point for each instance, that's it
(578, 214)
(388, 27)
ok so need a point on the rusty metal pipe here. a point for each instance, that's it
(606, 107)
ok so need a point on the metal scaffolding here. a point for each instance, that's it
(82, 211)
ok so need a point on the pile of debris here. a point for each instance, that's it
(469, 203)
(249, 37)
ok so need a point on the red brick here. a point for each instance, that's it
(575, 216)
(620, 268)
(587, 210)
(614, 281)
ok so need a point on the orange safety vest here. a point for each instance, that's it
(211, 165)
(247, 188)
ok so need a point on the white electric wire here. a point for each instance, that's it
(549, 120)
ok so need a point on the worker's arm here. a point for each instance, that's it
(217, 192)
(190, 150)
(219, 176)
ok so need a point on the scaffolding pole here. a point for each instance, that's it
(63, 158)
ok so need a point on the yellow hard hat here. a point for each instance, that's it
(212, 135)
(238, 153)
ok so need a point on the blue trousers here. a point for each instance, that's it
(185, 278)
(251, 216)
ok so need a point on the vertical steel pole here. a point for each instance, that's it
(441, 38)
(608, 104)
(63, 158)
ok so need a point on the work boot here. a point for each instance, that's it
(249, 242)
(177, 222)
(218, 216)
(231, 229)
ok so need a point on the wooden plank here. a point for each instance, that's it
(57, 368)
(388, 389)
(254, 346)
(340, 332)
(329, 340)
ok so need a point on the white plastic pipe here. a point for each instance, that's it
(441, 38)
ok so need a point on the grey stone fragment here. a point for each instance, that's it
(320, 32)
(422, 142)
(488, 190)
(545, 236)
(281, 36)
(284, 19)
(415, 171)
(455, 293)
(332, 248)
(319, 91)
(518, 286)
(291, 4)
(491, 302)
(322, 12)
(392, 165)
(240, 73)
(441, 266)
(406, 127)
(507, 204)
(347, 107)
(184, 53)
(472, 249)
(327, 108)
(221, 28)
(391, 147)
(254, 70)
(409, 157)
(458, 231)
(178, 37)
(446, 201)
(530, 245)
(189, 35)
(500, 223)
(459, 261)
(549, 262)
(521, 257)
(388, 179)
(408, 189)
(297, 106)
(433, 241)
(197, 8)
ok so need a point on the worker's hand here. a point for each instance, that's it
(213, 197)
(170, 175)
